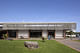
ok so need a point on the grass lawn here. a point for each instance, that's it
(49, 46)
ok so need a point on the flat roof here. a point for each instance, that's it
(37, 23)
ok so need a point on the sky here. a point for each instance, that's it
(40, 11)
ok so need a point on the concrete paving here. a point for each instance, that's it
(70, 43)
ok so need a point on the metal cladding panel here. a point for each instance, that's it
(38, 26)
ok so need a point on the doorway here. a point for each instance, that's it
(12, 33)
(35, 33)
(51, 33)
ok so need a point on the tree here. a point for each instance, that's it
(43, 39)
(5, 36)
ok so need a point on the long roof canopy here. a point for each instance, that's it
(38, 26)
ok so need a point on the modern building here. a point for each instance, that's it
(37, 30)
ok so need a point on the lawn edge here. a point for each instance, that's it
(68, 46)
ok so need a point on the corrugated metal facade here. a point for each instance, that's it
(37, 26)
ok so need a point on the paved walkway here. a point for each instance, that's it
(72, 44)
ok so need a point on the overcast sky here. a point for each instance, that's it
(40, 11)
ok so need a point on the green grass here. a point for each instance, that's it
(49, 46)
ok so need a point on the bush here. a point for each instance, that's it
(5, 36)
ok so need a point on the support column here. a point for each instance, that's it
(44, 33)
(17, 34)
(64, 33)
(58, 33)
(7, 34)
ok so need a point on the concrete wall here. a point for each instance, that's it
(23, 33)
(58, 33)
(44, 33)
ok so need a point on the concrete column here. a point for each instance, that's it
(44, 33)
(17, 34)
(7, 34)
(58, 33)
(23, 33)
(64, 33)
